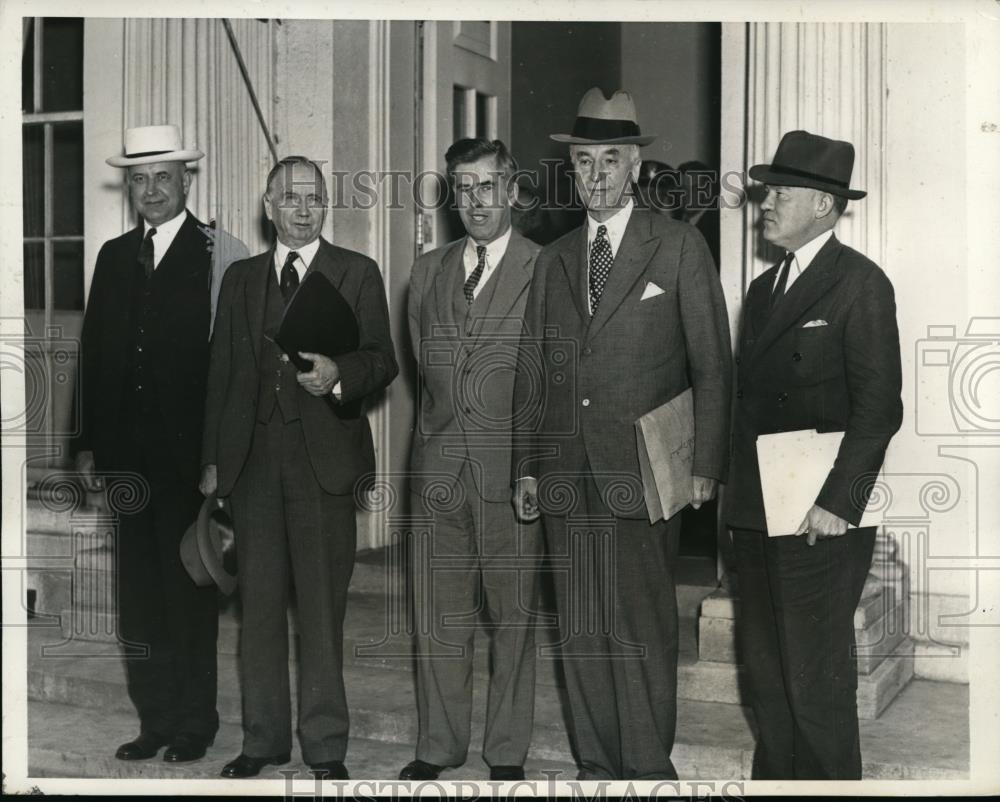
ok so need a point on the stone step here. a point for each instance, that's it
(941, 662)
(57, 750)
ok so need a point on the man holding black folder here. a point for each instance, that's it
(288, 446)
(819, 350)
(624, 314)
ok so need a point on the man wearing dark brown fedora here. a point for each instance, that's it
(623, 314)
(143, 372)
(818, 349)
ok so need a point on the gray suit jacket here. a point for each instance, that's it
(583, 381)
(466, 382)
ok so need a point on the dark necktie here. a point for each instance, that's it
(600, 266)
(289, 276)
(779, 288)
(473, 280)
(146, 253)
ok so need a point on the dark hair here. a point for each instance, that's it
(466, 151)
(839, 204)
(288, 163)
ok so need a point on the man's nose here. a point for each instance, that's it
(767, 204)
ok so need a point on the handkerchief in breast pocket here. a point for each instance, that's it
(651, 291)
(814, 323)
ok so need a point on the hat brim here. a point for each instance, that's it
(621, 140)
(764, 174)
(172, 156)
(207, 548)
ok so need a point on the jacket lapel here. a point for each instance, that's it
(188, 252)
(445, 279)
(634, 252)
(574, 262)
(513, 275)
(255, 297)
(813, 284)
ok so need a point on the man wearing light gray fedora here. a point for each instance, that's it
(141, 385)
(624, 314)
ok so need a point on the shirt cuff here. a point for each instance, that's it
(336, 391)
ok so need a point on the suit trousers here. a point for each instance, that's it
(796, 635)
(287, 528)
(614, 584)
(173, 681)
(479, 559)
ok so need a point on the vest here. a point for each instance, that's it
(278, 386)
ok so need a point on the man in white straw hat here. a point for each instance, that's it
(624, 314)
(143, 372)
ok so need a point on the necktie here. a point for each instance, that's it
(146, 253)
(473, 280)
(600, 266)
(779, 288)
(289, 276)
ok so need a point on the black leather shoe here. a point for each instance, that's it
(185, 748)
(142, 748)
(329, 770)
(507, 773)
(246, 766)
(419, 770)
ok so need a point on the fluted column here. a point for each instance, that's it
(184, 71)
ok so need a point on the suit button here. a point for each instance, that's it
(588, 351)
(782, 397)
(277, 388)
(739, 393)
(737, 360)
(138, 387)
(797, 356)
(586, 402)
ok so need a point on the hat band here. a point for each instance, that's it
(781, 168)
(595, 128)
(146, 153)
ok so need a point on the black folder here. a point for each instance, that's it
(319, 320)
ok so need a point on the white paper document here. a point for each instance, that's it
(793, 468)
(665, 440)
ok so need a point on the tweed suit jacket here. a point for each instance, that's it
(340, 451)
(583, 381)
(466, 382)
(843, 376)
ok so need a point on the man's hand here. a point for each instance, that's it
(820, 523)
(209, 480)
(85, 467)
(525, 499)
(702, 489)
(323, 376)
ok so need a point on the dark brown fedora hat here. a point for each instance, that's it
(809, 160)
(208, 549)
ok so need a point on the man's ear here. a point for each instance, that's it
(186, 181)
(267, 206)
(824, 205)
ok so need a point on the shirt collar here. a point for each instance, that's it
(168, 229)
(615, 225)
(805, 254)
(494, 250)
(306, 252)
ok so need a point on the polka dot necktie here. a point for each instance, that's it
(600, 266)
(473, 280)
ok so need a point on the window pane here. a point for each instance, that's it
(33, 180)
(67, 179)
(28, 66)
(67, 275)
(458, 113)
(34, 275)
(483, 115)
(62, 63)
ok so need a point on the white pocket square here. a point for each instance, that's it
(814, 323)
(651, 291)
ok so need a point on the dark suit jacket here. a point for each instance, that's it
(340, 451)
(488, 387)
(844, 376)
(598, 375)
(178, 342)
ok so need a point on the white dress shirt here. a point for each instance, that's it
(615, 226)
(802, 258)
(494, 253)
(164, 235)
(306, 254)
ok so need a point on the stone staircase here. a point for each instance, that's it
(79, 710)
